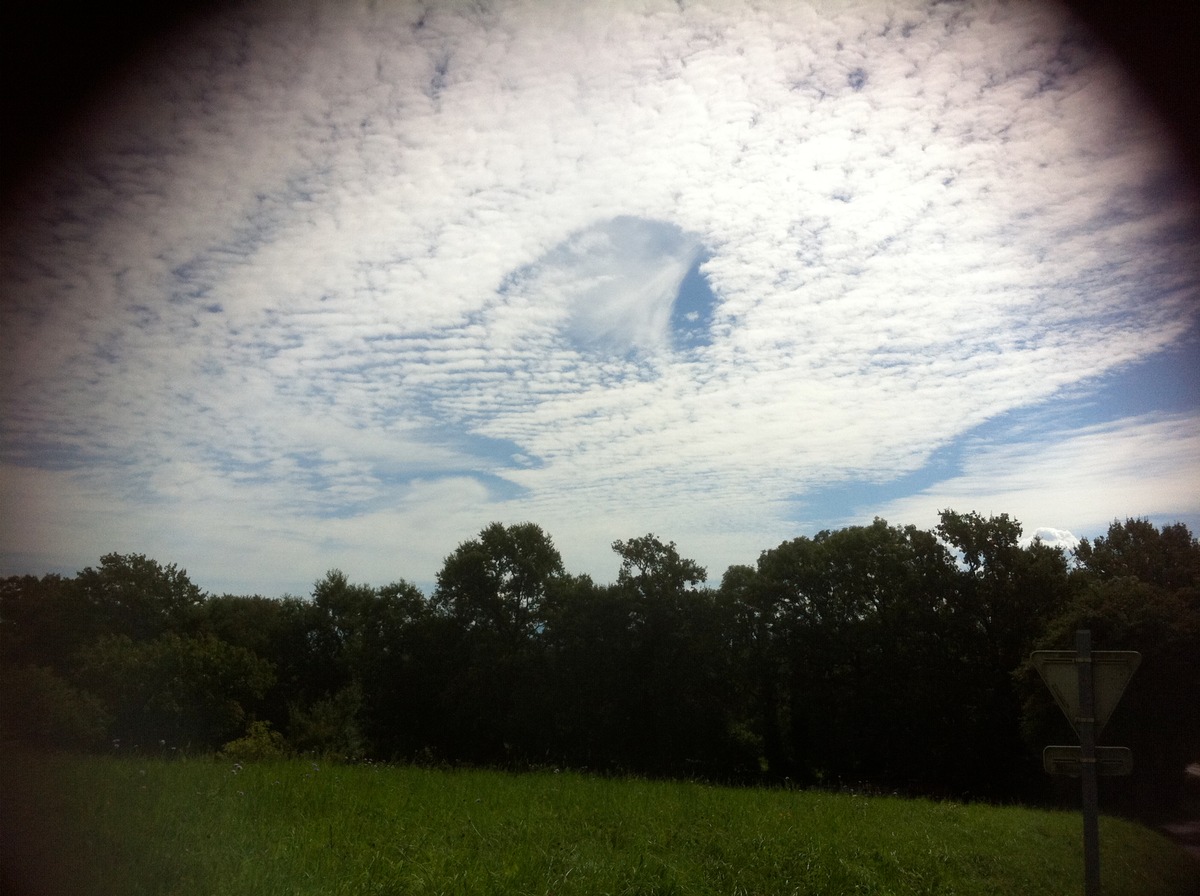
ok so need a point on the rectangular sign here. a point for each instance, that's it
(1069, 761)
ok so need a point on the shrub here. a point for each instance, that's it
(41, 709)
(260, 743)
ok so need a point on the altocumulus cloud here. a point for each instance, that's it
(338, 284)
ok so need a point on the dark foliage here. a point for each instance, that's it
(871, 657)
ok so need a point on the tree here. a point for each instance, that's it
(589, 673)
(499, 580)
(398, 695)
(490, 592)
(1005, 596)
(330, 726)
(679, 705)
(1138, 588)
(654, 570)
(1167, 557)
(130, 594)
(184, 691)
(1007, 593)
(285, 632)
(1158, 717)
(43, 622)
(41, 709)
(851, 630)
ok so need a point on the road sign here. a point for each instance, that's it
(1111, 671)
(1069, 761)
(1087, 685)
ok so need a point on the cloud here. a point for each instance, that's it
(325, 263)
(1057, 538)
(1079, 480)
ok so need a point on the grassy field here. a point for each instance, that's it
(205, 827)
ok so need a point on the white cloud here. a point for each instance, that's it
(317, 254)
(1057, 538)
(1076, 480)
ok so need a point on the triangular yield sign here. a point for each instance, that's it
(1111, 671)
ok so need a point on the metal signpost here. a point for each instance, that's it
(1087, 685)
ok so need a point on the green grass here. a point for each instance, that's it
(121, 826)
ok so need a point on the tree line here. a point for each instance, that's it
(880, 657)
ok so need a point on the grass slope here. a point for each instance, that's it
(120, 826)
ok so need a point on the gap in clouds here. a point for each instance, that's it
(1167, 383)
(628, 287)
(482, 460)
(692, 312)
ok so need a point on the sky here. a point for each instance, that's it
(323, 285)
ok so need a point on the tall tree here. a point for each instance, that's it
(1166, 557)
(655, 571)
(853, 626)
(1007, 592)
(130, 594)
(1138, 588)
(1006, 595)
(680, 702)
(590, 672)
(498, 580)
(491, 591)
(284, 632)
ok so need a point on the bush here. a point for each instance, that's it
(329, 727)
(40, 709)
(259, 744)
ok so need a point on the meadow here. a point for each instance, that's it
(204, 826)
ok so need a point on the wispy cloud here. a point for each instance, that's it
(377, 275)
(1078, 480)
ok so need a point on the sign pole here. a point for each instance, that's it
(1087, 743)
(1087, 684)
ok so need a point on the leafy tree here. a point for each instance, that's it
(655, 571)
(387, 660)
(340, 620)
(681, 696)
(254, 622)
(329, 727)
(42, 622)
(184, 691)
(845, 696)
(1158, 717)
(1136, 589)
(499, 580)
(589, 671)
(490, 592)
(40, 708)
(349, 653)
(1005, 597)
(760, 648)
(1167, 557)
(130, 594)
(287, 633)
(260, 743)
(1007, 593)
